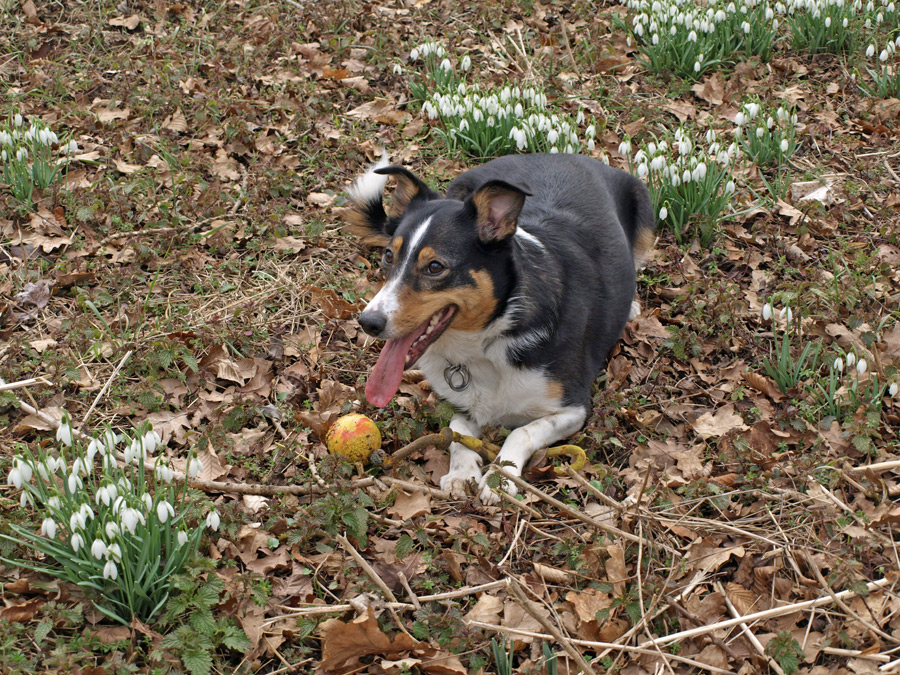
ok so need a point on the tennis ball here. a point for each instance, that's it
(354, 437)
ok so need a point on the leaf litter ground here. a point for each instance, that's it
(198, 233)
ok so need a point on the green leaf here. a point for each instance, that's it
(42, 631)
(197, 661)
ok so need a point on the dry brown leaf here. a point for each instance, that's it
(23, 612)
(127, 22)
(344, 643)
(407, 506)
(616, 572)
(724, 420)
(711, 90)
(588, 602)
(109, 115)
(176, 122)
(124, 167)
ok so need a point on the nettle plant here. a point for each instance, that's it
(482, 121)
(688, 38)
(884, 71)
(766, 136)
(689, 181)
(31, 157)
(823, 26)
(119, 530)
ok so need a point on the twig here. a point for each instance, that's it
(745, 629)
(313, 610)
(855, 654)
(598, 645)
(578, 515)
(104, 389)
(843, 605)
(373, 575)
(765, 614)
(515, 589)
(412, 596)
(22, 383)
(878, 466)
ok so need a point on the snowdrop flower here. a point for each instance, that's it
(17, 120)
(625, 148)
(414, 55)
(74, 483)
(827, 22)
(111, 529)
(110, 571)
(862, 366)
(164, 473)
(77, 541)
(883, 56)
(696, 66)
(466, 63)
(729, 187)
(53, 502)
(784, 145)
(163, 510)
(181, 538)
(98, 549)
(130, 519)
(589, 143)
(642, 170)
(398, 69)
(64, 433)
(147, 500)
(25, 470)
(760, 131)
(851, 359)
(786, 314)
(76, 522)
(767, 312)
(86, 512)
(213, 520)
(446, 66)
(663, 213)
(838, 364)
(892, 390)
(48, 528)
(70, 148)
(25, 499)
(591, 131)
(114, 552)
(553, 136)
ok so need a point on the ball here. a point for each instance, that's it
(354, 437)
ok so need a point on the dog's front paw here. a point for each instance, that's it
(487, 491)
(456, 481)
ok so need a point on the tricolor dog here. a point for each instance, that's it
(508, 293)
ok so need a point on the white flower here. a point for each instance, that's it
(862, 366)
(17, 120)
(195, 466)
(591, 131)
(74, 483)
(642, 170)
(767, 312)
(760, 131)
(164, 473)
(181, 537)
(465, 63)
(53, 502)
(663, 213)
(398, 69)
(163, 510)
(446, 66)
(86, 512)
(25, 470)
(414, 55)
(130, 519)
(110, 571)
(64, 433)
(784, 145)
(625, 148)
(827, 22)
(213, 520)
(48, 528)
(15, 479)
(147, 500)
(892, 390)
(696, 66)
(740, 119)
(838, 364)
(98, 549)
(883, 56)
(113, 551)
(70, 148)
(851, 359)
(870, 51)
(111, 529)
(77, 542)
(729, 187)
(786, 314)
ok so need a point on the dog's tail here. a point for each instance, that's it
(640, 219)
(365, 215)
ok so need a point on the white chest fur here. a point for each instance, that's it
(498, 392)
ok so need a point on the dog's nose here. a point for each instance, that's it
(373, 323)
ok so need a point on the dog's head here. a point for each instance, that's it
(446, 264)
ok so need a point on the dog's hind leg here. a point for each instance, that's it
(523, 442)
(465, 464)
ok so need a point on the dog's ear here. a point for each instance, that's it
(409, 188)
(497, 207)
(365, 215)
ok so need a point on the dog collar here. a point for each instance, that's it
(457, 376)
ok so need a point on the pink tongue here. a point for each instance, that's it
(387, 374)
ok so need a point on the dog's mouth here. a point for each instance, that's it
(398, 354)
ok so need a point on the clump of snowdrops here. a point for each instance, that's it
(31, 156)
(118, 529)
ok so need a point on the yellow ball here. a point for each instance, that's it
(354, 437)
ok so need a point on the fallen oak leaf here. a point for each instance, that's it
(709, 424)
(345, 642)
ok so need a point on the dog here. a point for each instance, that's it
(508, 293)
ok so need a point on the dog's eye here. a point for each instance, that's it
(387, 257)
(434, 268)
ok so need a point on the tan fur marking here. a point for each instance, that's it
(404, 193)
(426, 255)
(642, 245)
(555, 390)
(482, 200)
(358, 223)
(475, 305)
